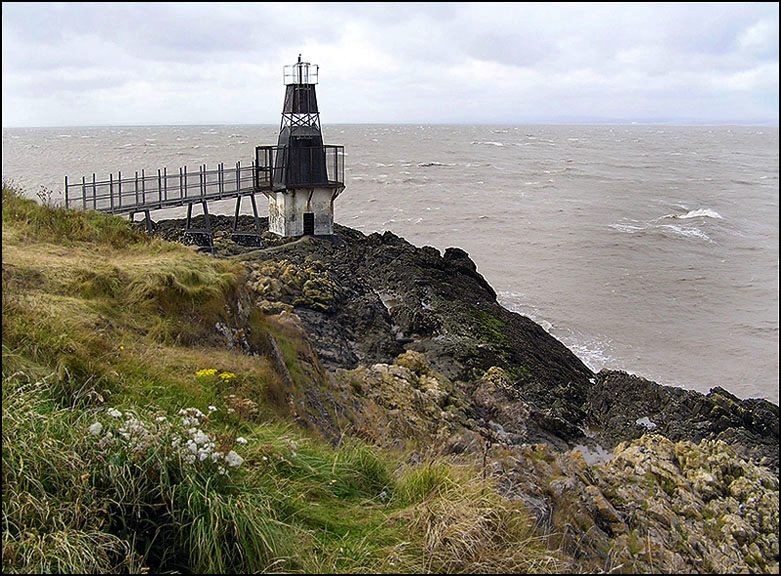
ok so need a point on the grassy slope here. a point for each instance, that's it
(96, 315)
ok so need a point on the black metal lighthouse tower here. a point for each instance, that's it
(303, 176)
(300, 176)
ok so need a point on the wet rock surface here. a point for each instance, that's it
(655, 506)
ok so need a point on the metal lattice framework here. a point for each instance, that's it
(294, 120)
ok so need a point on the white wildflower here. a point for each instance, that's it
(160, 419)
(193, 413)
(192, 446)
(200, 437)
(107, 440)
(231, 410)
(241, 440)
(212, 408)
(221, 471)
(114, 413)
(233, 459)
(96, 429)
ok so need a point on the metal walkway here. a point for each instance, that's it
(143, 193)
(270, 172)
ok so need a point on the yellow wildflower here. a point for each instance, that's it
(227, 376)
(205, 372)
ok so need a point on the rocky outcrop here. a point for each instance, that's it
(622, 406)
(655, 506)
(408, 348)
(362, 300)
(649, 505)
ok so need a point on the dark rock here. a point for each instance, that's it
(363, 300)
(618, 400)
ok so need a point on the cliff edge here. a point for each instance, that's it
(344, 404)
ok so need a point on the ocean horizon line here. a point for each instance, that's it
(550, 122)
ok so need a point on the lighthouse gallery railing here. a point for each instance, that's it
(279, 167)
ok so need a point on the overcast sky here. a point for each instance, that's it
(68, 64)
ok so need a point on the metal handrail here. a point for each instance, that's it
(162, 190)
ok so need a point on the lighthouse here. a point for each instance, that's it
(300, 176)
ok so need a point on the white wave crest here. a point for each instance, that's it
(699, 213)
(688, 232)
(594, 354)
(628, 228)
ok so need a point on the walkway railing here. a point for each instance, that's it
(143, 192)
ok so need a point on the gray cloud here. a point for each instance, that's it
(408, 62)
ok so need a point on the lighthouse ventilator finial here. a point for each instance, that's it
(300, 176)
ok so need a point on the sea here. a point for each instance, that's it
(651, 249)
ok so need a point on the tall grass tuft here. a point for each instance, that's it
(429, 480)
(76, 500)
(458, 525)
(187, 295)
(230, 533)
(51, 515)
(57, 225)
(68, 551)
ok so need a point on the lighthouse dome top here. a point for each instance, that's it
(300, 73)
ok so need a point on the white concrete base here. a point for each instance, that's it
(286, 210)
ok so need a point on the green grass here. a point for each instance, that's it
(98, 316)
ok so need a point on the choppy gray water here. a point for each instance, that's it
(651, 249)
